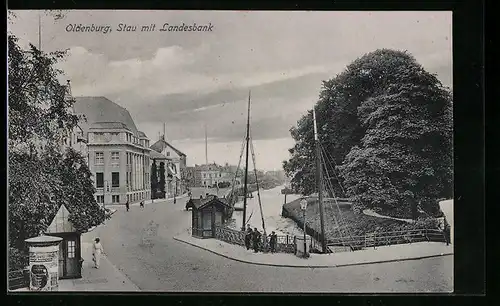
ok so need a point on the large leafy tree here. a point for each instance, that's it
(162, 182)
(405, 157)
(41, 175)
(154, 180)
(383, 113)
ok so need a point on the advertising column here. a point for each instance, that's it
(43, 263)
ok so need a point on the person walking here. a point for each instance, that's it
(248, 237)
(97, 251)
(127, 205)
(142, 204)
(273, 241)
(256, 239)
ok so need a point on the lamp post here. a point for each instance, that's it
(303, 206)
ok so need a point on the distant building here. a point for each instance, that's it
(176, 167)
(118, 154)
(211, 174)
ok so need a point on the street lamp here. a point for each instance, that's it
(303, 206)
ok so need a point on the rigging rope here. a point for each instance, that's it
(329, 157)
(330, 185)
(233, 199)
(257, 184)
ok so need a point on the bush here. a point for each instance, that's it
(18, 259)
(351, 223)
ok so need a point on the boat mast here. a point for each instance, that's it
(319, 177)
(245, 187)
(206, 155)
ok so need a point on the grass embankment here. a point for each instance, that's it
(349, 223)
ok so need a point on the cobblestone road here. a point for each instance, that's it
(160, 263)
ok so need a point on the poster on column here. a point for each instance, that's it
(44, 270)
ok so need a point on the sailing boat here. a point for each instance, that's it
(320, 162)
(233, 195)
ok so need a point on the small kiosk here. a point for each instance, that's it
(70, 247)
(206, 214)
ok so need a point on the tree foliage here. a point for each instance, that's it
(162, 182)
(154, 179)
(40, 183)
(38, 102)
(387, 124)
(41, 175)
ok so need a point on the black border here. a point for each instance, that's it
(469, 137)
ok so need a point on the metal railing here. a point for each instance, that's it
(389, 238)
(284, 243)
(229, 235)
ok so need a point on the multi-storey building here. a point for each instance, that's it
(176, 167)
(118, 154)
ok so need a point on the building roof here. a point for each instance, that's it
(102, 110)
(211, 199)
(108, 125)
(61, 222)
(156, 155)
(161, 144)
(208, 167)
(142, 135)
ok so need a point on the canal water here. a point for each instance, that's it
(272, 202)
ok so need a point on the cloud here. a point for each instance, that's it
(190, 80)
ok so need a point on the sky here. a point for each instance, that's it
(190, 80)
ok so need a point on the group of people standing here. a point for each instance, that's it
(253, 239)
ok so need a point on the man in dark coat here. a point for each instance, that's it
(248, 237)
(256, 239)
(273, 241)
(127, 205)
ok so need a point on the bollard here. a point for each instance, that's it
(44, 263)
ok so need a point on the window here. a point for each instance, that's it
(220, 175)
(116, 199)
(115, 179)
(168, 153)
(115, 158)
(99, 158)
(127, 178)
(100, 199)
(99, 179)
(203, 175)
(71, 248)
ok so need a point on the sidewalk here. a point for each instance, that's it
(106, 278)
(381, 254)
(146, 202)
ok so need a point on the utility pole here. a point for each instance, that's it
(39, 31)
(245, 187)
(319, 177)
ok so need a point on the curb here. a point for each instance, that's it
(118, 271)
(93, 228)
(311, 267)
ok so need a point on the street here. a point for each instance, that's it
(169, 265)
